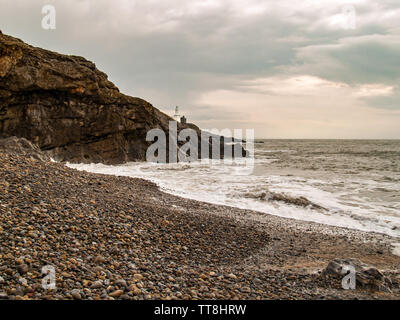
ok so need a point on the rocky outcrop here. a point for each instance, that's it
(366, 276)
(69, 108)
(280, 197)
(21, 146)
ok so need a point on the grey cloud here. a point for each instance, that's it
(391, 102)
(174, 58)
(368, 59)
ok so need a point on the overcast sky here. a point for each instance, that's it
(288, 69)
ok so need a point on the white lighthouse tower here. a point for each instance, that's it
(177, 116)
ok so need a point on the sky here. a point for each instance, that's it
(287, 69)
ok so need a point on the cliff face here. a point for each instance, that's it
(66, 106)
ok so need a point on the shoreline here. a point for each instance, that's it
(132, 169)
(244, 215)
(113, 237)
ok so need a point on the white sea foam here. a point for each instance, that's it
(216, 184)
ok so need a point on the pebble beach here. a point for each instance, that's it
(111, 237)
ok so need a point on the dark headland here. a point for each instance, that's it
(114, 237)
(69, 108)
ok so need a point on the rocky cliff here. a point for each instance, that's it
(69, 108)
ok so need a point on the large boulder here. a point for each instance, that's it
(22, 146)
(366, 276)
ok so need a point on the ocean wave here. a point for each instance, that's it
(281, 197)
(339, 192)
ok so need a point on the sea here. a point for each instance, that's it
(346, 183)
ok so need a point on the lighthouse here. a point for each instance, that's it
(177, 116)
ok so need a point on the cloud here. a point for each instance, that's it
(389, 99)
(369, 58)
(208, 55)
(326, 109)
(302, 85)
(374, 90)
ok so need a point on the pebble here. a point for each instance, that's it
(97, 284)
(116, 293)
(137, 277)
(134, 289)
(99, 259)
(121, 283)
(76, 294)
(22, 268)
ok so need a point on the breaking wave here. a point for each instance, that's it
(289, 181)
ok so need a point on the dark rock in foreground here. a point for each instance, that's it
(365, 276)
